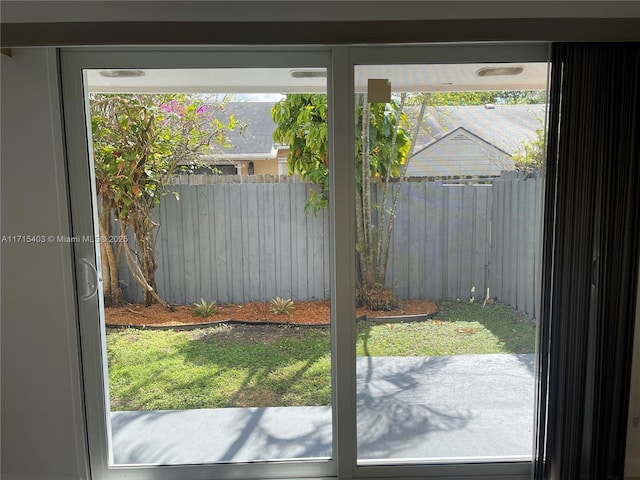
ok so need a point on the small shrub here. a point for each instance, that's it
(280, 306)
(376, 297)
(204, 309)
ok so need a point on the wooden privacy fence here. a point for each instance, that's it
(240, 242)
(515, 270)
(455, 241)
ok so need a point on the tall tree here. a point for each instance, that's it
(139, 142)
(382, 151)
(301, 123)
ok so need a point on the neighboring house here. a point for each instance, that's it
(473, 140)
(459, 153)
(253, 151)
(454, 141)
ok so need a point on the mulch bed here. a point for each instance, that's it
(308, 312)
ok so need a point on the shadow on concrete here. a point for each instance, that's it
(221, 435)
(393, 406)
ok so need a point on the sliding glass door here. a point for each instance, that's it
(308, 262)
(208, 339)
(448, 210)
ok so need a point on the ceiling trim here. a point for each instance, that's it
(320, 32)
(39, 11)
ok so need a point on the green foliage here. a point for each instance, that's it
(139, 141)
(508, 97)
(204, 309)
(301, 121)
(531, 157)
(385, 159)
(281, 306)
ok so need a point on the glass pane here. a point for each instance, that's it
(450, 175)
(216, 330)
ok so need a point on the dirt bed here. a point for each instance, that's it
(304, 313)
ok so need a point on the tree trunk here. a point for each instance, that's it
(134, 269)
(403, 172)
(111, 291)
(143, 231)
(367, 244)
(360, 236)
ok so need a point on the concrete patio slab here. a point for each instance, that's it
(408, 409)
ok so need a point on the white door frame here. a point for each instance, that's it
(340, 62)
(83, 206)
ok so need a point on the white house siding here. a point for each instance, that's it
(459, 155)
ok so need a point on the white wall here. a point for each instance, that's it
(42, 433)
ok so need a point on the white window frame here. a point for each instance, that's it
(283, 169)
(340, 62)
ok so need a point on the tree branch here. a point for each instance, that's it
(385, 191)
(403, 171)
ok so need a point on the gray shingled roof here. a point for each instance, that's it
(505, 126)
(257, 137)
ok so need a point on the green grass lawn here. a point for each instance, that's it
(259, 366)
(457, 329)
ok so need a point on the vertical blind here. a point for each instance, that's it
(590, 261)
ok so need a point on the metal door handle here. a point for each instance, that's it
(90, 276)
